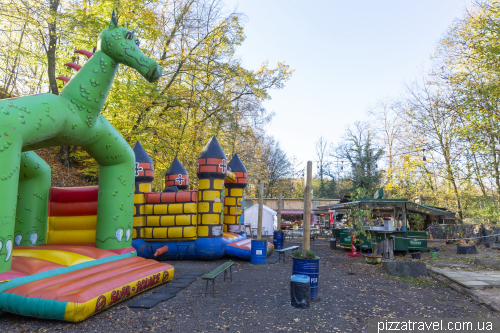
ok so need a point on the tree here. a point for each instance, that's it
(280, 169)
(204, 89)
(362, 153)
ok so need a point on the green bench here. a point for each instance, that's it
(282, 252)
(216, 272)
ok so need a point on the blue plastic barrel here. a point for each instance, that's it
(309, 267)
(403, 228)
(258, 253)
(278, 240)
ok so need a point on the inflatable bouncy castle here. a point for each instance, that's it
(66, 253)
(199, 224)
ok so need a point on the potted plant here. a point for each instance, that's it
(278, 239)
(307, 264)
(371, 238)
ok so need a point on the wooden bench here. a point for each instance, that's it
(216, 272)
(282, 252)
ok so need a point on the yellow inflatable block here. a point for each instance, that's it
(202, 231)
(145, 187)
(189, 232)
(236, 192)
(199, 195)
(226, 192)
(182, 239)
(190, 208)
(139, 198)
(134, 233)
(210, 219)
(59, 257)
(161, 209)
(218, 184)
(230, 201)
(225, 210)
(204, 184)
(148, 232)
(203, 207)
(153, 221)
(183, 219)
(175, 232)
(146, 209)
(217, 207)
(134, 211)
(167, 221)
(160, 232)
(175, 209)
(229, 219)
(70, 236)
(210, 195)
(86, 222)
(139, 221)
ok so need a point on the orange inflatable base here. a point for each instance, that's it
(77, 294)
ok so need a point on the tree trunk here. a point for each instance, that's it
(51, 48)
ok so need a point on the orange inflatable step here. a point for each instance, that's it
(76, 295)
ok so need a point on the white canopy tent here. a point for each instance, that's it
(252, 215)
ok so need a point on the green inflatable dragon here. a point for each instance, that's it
(72, 118)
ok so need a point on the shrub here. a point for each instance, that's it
(310, 255)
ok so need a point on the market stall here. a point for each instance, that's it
(389, 218)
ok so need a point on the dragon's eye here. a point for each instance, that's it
(137, 42)
(130, 35)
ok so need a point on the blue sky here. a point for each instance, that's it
(347, 54)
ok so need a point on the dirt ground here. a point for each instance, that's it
(448, 252)
(258, 300)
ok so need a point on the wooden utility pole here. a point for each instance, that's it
(261, 207)
(278, 227)
(306, 234)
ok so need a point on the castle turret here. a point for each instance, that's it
(176, 175)
(235, 186)
(144, 175)
(211, 171)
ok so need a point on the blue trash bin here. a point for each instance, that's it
(258, 253)
(300, 291)
(278, 240)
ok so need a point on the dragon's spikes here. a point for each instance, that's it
(63, 78)
(72, 65)
(85, 53)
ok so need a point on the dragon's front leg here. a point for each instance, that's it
(116, 187)
(10, 154)
(33, 200)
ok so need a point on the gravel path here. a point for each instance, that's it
(258, 300)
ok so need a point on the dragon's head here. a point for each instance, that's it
(123, 47)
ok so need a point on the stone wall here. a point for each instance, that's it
(454, 231)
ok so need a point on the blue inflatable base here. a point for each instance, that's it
(199, 249)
